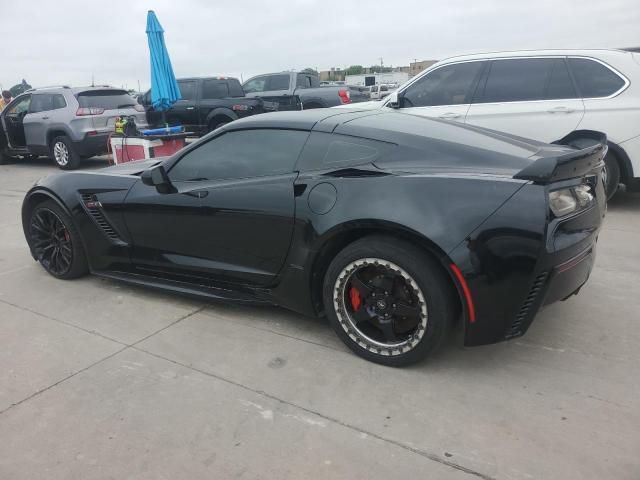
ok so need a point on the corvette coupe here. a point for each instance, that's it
(392, 225)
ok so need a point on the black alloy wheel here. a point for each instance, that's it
(378, 301)
(55, 243)
(388, 300)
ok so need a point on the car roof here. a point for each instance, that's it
(96, 87)
(387, 126)
(300, 120)
(531, 53)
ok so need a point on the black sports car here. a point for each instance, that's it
(392, 225)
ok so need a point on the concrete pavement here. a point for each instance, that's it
(103, 380)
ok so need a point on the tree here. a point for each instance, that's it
(355, 70)
(310, 71)
(379, 69)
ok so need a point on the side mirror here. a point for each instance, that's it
(157, 177)
(393, 100)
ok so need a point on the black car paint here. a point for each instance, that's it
(436, 188)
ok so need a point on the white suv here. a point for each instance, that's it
(543, 95)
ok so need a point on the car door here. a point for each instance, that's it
(275, 89)
(13, 117)
(231, 216)
(42, 114)
(530, 97)
(185, 111)
(444, 92)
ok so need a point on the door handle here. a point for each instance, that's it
(45, 118)
(191, 108)
(449, 115)
(197, 193)
(560, 110)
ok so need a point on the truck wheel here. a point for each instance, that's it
(612, 174)
(218, 122)
(388, 301)
(62, 152)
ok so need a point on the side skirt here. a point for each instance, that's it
(183, 288)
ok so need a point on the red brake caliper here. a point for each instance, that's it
(354, 296)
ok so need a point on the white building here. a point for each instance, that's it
(377, 78)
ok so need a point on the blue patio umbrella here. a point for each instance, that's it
(164, 88)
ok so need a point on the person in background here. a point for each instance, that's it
(5, 100)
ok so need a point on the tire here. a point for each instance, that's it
(62, 152)
(612, 170)
(417, 286)
(52, 231)
(218, 122)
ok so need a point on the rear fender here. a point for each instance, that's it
(219, 112)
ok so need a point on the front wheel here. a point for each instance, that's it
(63, 153)
(55, 242)
(388, 300)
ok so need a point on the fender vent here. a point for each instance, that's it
(525, 310)
(94, 209)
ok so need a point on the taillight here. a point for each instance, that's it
(81, 112)
(139, 108)
(345, 96)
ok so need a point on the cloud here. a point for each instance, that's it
(68, 41)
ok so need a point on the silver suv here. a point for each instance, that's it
(66, 124)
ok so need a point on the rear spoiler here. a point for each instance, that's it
(569, 165)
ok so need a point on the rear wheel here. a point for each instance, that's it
(218, 122)
(55, 241)
(388, 301)
(611, 174)
(62, 152)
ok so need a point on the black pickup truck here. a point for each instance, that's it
(206, 104)
(299, 91)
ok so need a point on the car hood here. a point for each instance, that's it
(132, 168)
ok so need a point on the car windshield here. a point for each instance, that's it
(107, 99)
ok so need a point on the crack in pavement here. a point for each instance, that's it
(125, 346)
(430, 456)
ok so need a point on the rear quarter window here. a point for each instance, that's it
(325, 151)
(594, 79)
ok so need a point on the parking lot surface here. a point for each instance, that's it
(104, 380)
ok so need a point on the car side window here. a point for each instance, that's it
(20, 106)
(241, 154)
(595, 79)
(258, 84)
(517, 80)
(279, 82)
(41, 102)
(212, 89)
(187, 89)
(303, 81)
(334, 151)
(560, 85)
(447, 85)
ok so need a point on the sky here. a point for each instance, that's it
(66, 42)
